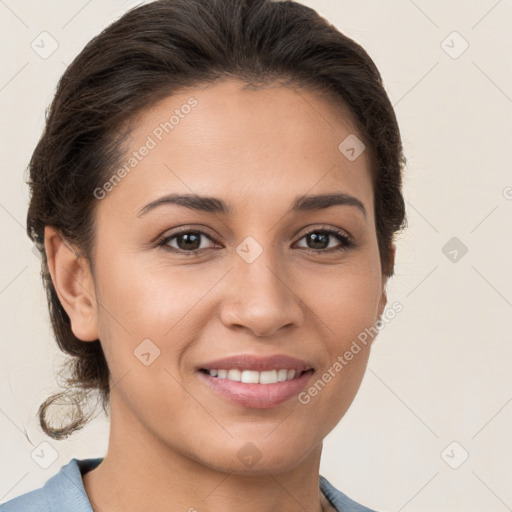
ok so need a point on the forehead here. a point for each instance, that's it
(243, 145)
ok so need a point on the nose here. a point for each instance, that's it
(260, 297)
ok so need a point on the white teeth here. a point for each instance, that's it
(254, 377)
(268, 377)
(250, 377)
(234, 375)
(282, 375)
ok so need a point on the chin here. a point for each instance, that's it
(257, 458)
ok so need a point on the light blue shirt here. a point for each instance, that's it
(64, 492)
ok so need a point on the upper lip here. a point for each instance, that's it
(250, 362)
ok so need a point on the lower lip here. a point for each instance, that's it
(257, 396)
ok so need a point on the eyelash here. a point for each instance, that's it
(346, 241)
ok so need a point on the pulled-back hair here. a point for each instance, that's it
(158, 49)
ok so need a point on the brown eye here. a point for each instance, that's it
(187, 243)
(321, 240)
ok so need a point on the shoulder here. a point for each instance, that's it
(340, 501)
(63, 492)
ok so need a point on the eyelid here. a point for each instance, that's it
(331, 229)
(164, 239)
(347, 239)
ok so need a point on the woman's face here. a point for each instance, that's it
(260, 274)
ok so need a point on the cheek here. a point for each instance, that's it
(148, 315)
(171, 306)
(148, 300)
(344, 306)
(344, 298)
(141, 301)
(344, 303)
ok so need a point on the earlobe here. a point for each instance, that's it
(74, 285)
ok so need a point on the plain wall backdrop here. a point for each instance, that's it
(430, 427)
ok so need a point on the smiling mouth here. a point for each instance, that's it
(256, 377)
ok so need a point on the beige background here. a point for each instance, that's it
(440, 371)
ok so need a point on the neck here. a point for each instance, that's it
(146, 474)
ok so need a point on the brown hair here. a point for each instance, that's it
(151, 52)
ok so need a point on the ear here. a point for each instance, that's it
(74, 285)
(384, 298)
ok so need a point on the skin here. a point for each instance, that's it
(173, 442)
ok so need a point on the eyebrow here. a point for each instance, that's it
(215, 205)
